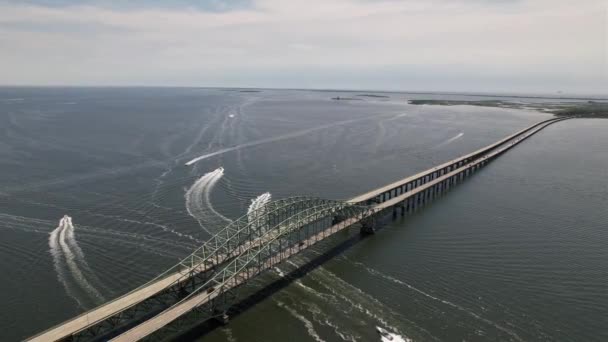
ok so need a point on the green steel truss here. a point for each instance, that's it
(243, 244)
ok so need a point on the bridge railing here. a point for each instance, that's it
(447, 166)
(217, 249)
(246, 237)
(283, 236)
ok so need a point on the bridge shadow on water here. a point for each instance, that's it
(202, 329)
(267, 291)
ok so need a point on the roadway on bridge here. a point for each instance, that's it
(147, 328)
(122, 303)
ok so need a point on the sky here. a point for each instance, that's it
(517, 46)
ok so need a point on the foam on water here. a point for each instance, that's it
(276, 138)
(308, 324)
(67, 254)
(257, 207)
(198, 202)
(324, 319)
(55, 251)
(345, 295)
(392, 337)
(229, 335)
(451, 140)
(456, 306)
(259, 202)
(279, 272)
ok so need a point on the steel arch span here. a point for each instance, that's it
(205, 283)
(245, 243)
(242, 250)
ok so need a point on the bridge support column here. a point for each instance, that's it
(368, 226)
(223, 318)
(337, 219)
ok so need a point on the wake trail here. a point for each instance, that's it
(72, 259)
(67, 254)
(392, 337)
(279, 272)
(73, 245)
(319, 315)
(381, 136)
(229, 335)
(453, 305)
(323, 318)
(56, 253)
(81, 178)
(31, 225)
(276, 138)
(257, 207)
(159, 181)
(163, 227)
(451, 140)
(198, 202)
(307, 323)
(342, 292)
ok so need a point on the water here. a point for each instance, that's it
(517, 252)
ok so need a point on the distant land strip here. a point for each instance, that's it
(589, 109)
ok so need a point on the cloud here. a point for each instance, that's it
(539, 45)
(61, 27)
(203, 5)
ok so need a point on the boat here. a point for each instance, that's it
(385, 334)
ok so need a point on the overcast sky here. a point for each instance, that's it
(452, 45)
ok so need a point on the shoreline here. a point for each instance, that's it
(589, 109)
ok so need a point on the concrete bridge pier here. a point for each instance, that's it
(222, 318)
(337, 219)
(368, 226)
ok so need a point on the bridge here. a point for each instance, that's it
(205, 284)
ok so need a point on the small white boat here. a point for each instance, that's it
(385, 334)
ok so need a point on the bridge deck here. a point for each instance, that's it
(429, 185)
(381, 190)
(171, 314)
(159, 321)
(107, 310)
(124, 302)
(135, 297)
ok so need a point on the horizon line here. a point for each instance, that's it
(540, 95)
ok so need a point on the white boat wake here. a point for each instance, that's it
(456, 306)
(256, 208)
(388, 336)
(67, 254)
(451, 140)
(276, 138)
(354, 303)
(198, 202)
(310, 328)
